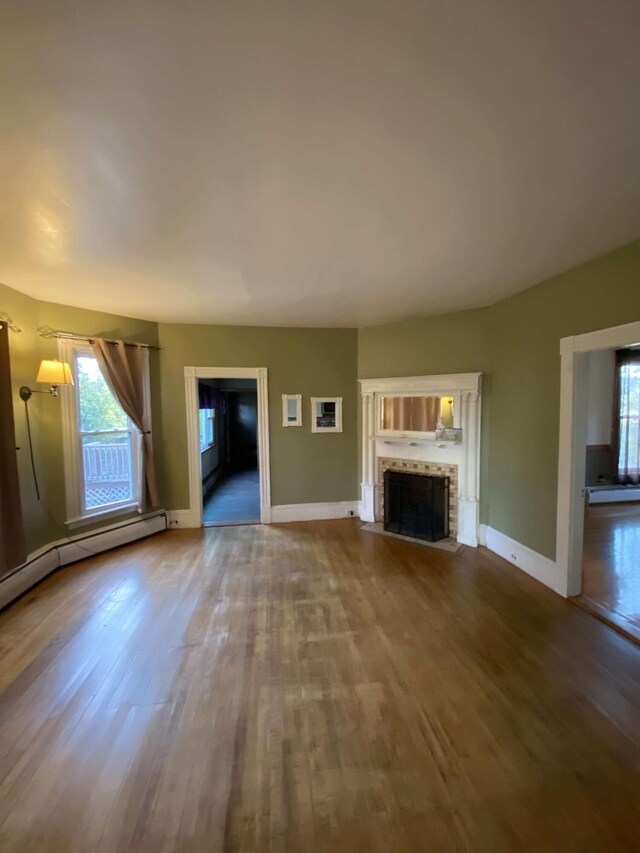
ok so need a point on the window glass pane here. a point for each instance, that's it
(629, 450)
(99, 409)
(207, 433)
(107, 469)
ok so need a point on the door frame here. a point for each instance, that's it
(574, 352)
(191, 377)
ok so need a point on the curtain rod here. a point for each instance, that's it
(46, 332)
(5, 320)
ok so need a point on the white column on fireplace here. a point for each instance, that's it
(368, 493)
(465, 388)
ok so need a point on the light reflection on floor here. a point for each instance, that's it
(611, 561)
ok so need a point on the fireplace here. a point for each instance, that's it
(424, 453)
(416, 505)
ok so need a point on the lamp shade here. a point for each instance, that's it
(55, 373)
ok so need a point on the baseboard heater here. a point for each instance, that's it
(612, 494)
(82, 547)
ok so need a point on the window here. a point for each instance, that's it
(628, 427)
(207, 428)
(102, 445)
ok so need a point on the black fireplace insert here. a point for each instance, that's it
(416, 505)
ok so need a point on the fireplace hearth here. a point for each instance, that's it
(416, 505)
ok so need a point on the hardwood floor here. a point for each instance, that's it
(310, 687)
(236, 500)
(611, 563)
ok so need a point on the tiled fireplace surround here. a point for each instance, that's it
(460, 462)
(433, 469)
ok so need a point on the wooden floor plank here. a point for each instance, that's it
(611, 564)
(310, 687)
(234, 500)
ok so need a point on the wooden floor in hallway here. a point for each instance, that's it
(611, 564)
(235, 500)
(310, 687)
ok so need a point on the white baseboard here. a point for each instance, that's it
(541, 568)
(314, 512)
(64, 551)
(181, 518)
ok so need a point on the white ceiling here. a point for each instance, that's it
(312, 163)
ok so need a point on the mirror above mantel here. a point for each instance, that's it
(415, 415)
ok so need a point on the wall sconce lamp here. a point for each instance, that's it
(54, 372)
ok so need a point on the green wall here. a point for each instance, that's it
(305, 468)
(44, 519)
(515, 344)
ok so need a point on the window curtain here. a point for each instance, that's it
(125, 369)
(626, 417)
(13, 547)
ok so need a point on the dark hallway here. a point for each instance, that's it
(230, 475)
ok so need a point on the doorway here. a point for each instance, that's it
(598, 545)
(611, 549)
(228, 418)
(228, 436)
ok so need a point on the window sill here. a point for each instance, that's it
(208, 447)
(84, 520)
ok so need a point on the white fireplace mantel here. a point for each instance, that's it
(465, 388)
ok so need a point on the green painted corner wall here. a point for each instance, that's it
(44, 519)
(305, 468)
(524, 335)
(515, 344)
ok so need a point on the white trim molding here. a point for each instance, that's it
(466, 391)
(191, 376)
(182, 518)
(572, 441)
(536, 565)
(314, 512)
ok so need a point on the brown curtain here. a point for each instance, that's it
(123, 367)
(13, 547)
(626, 417)
(413, 414)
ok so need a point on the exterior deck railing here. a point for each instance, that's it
(107, 474)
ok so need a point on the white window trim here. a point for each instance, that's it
(73, 474)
